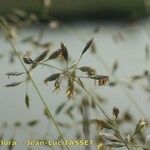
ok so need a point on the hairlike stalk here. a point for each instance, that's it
(34, 84)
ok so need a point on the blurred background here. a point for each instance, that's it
(80, 9)
(120, 50)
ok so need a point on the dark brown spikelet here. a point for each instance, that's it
(64, 51)
(27, 60)
(116, 112)
(55, 54)
(52, 77)
(27, 99)
(38, 59)
(14, 74)
(87, 46)
(102, 79)
(13, 84)
(90, 71)
(32, 123)
(41, 56)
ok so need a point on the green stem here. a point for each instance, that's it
(37, 90)
(44, 64)
(112, 124)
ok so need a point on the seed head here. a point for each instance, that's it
(116, 112)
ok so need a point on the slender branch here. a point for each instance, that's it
(34, 84)
(114, 126)
(51, 66)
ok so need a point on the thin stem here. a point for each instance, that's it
(114, 126)
(48, 112)
(84, 77)
(37, 90)
(51, 66)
